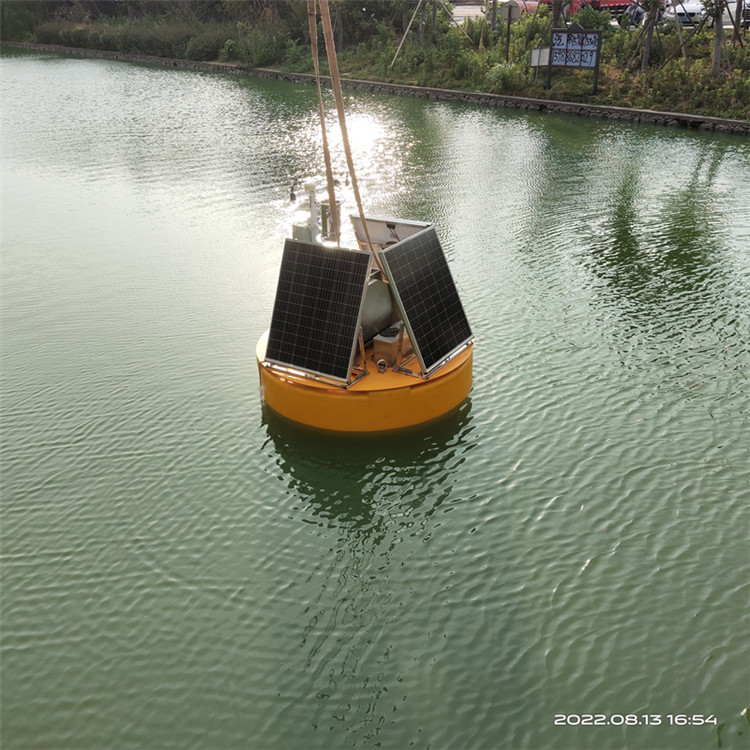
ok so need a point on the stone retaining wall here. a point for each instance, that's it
(651, 117)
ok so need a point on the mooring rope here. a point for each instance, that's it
(333, 207)
(325, 15)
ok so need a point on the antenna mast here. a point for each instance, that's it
(325, 15)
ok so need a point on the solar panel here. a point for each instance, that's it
(422, 283)
(316, 313)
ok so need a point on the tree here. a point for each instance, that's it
(654, 10)
(557, 13)
(715, 8)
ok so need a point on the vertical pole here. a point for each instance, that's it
(403, 38)
(333, 64)
(333, 207)
(596, 67)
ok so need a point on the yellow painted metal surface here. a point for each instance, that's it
(379, 401)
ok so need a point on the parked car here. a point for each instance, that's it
(571, 7)
(744, 13)
(687, 12)
(692, 12)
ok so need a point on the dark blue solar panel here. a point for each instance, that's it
(421, 280)
(316, 313)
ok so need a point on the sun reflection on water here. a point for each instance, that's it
(379, 154)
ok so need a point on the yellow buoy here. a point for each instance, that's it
(362, 340)
(379, 401)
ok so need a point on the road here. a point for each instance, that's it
(462, 12)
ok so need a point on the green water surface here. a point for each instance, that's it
(183, 569)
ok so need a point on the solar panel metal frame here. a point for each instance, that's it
(317, 310)
(427, 298)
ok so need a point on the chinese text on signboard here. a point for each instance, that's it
(575, 49)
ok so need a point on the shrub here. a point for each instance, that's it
(62, 32)
(208, 44)
(408, 63)
(48, 33)
(104, 36)
(297, 57)
(506, 78)
(618, 47)
(589, 18)
(262, 44)
(229, 51)
(19, 19)
(162, 39)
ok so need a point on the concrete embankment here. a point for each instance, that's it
(651, 117)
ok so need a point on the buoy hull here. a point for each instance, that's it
(378, 402)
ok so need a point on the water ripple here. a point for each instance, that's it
(182, 568)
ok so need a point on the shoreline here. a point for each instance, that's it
(601, 111)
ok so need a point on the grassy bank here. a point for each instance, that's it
(256, 34)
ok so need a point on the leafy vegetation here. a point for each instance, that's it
(435, 53)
